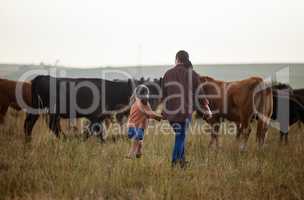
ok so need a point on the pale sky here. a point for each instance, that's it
(131, 32)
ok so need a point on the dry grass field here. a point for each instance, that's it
(49, 168)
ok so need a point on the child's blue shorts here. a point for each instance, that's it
(136, 133)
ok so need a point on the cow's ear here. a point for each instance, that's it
(160, 80)
(131, 84)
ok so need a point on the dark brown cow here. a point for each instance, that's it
(299, 94)
(8, 96)
(239, 101)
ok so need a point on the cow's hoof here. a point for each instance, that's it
(243, 148)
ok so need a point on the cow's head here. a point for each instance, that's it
(282, 88)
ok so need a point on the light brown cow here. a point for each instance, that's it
(239, 102)
(8, 97)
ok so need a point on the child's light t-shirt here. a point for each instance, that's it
(139, 114)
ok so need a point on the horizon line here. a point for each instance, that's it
(149, 65)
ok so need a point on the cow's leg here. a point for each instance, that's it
(1, 119)
(120, 120)
(108, 122)
(102, 132)
(286, 139)
(239, 130)
(104, 125)
(214, 139)
(2, 114)
(214, 135)
(4, 104)
(262, 128)
(86, 128)
(284, 128)
(300, 125)
(283, 137)
(70, 124)
(54, 124)
(3, 110)
(58, 127)
(245, 132)
(121, 125)
(29, 123)
(265, 110)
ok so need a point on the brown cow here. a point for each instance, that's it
(8, 97)
(239, 101)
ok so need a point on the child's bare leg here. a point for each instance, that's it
(139, 149)
(133, 149)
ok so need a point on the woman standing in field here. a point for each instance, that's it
(179, 87)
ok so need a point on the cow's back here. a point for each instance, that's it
(231, 97)
(82, 97)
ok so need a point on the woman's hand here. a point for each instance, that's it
(207, 112)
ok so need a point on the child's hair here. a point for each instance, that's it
(142, 93)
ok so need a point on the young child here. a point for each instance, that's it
(139, 114)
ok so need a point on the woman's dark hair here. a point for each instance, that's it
(183, 57)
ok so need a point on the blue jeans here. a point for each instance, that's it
(180, 129)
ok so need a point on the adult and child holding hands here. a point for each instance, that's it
(179, 88)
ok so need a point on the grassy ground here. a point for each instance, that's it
(72, 169)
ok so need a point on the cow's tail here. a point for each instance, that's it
(263, 99)
(37, 102)
(263, 107)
